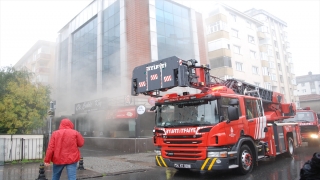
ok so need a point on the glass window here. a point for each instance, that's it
(252, 55)
(110, 22)
(168, 18)
(177, 20)
(216, 26)
(253, 108)
(170, 42)
(174, 24)
(186, 24)
(160, 29)
(159, 15)
(238, 66)
(176, 9)
(236, 49)
(234, 32)
(249, 25)
(273, 77)
(255, 70)
(279, 67)
(185, 13)
(159, 4)
(224, 107)
(250, 39)
(167, 6)
(169, 30)
(233, 17)
(275, 43)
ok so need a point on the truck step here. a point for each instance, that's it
(232, 166)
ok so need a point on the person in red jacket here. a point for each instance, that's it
(63, 150)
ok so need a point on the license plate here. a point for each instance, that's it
(182, 165)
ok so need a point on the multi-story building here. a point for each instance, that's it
(250, 46)
(308, 91)
(308, 84)
(98, 49)
(281, 73)
(40, 60)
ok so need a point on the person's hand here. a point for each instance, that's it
(46, 164)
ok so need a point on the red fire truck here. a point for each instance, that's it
(223, 124)
(309, 125)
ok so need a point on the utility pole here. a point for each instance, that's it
(51, 114)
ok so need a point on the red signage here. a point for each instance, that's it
(126, 113)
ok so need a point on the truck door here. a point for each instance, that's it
(232, 129)
(256, 119)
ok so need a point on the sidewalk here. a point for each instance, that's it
(95, 167)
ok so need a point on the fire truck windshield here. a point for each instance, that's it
(188, 114)
(301, 117)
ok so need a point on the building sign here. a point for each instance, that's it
(126, 113)
(93, 105)
(141, 109)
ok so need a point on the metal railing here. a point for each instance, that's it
(22, 147)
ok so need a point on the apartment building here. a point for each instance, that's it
(250, 46)
(308, 91)
(308, 84)
(40, 60)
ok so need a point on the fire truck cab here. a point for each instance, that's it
(309, 125)
(226, 124)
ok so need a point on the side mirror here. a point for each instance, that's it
(153, 108)
(233, 102)
(233, 113)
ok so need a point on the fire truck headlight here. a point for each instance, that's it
(217, 154)
(213, 154)
(314, 136)
(158, 152)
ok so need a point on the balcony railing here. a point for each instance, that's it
(43, 70)
(43, 57)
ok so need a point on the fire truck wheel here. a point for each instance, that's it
(246, 160)
(290, 149)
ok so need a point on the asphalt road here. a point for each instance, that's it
(282, 168)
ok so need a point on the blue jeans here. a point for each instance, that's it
(71, 170)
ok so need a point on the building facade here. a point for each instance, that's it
(99, 48)
(308, 84)
(308, 91)
(40, 60)
(250, 46)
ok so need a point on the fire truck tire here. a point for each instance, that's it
(246, 160)
(290, 150)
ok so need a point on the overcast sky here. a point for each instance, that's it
(24, 22)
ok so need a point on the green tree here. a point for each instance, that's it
(23, 104)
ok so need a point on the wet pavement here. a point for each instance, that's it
(103, 164)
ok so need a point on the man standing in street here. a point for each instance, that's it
(63, 150)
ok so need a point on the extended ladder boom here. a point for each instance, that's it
(174, 72)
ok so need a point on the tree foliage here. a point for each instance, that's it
(23, 104)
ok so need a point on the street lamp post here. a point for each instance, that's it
(51, 114)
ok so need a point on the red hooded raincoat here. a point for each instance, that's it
(64, 145)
